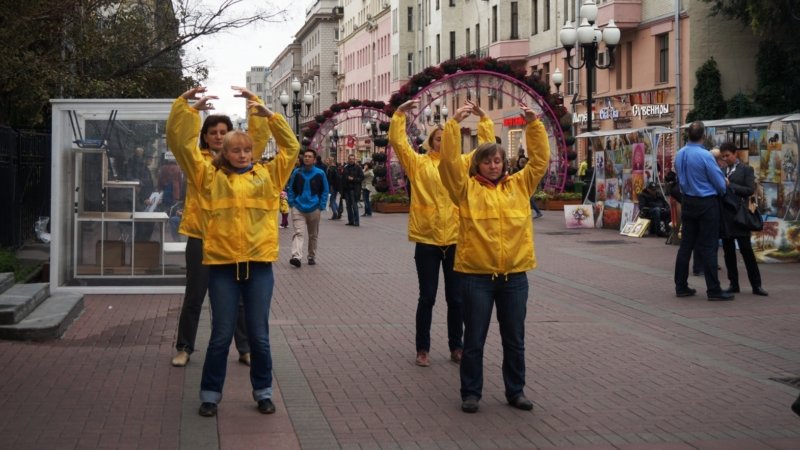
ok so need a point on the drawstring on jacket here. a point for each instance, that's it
(247, 271)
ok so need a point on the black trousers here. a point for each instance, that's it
(700, 220)
(729, 250)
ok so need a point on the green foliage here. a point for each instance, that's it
(778, 75)
(741, 106)
(399, 196)
(709, 103)
(10, 263)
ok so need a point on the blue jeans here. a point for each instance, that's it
(351, 203)
(334, 204)
(510, 294)
(428, 258)
(534, 207)
(700, 233)
(224, 291)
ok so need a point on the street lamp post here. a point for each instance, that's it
(297, 104)
(440, 113)
(334, 137)
(589, 37)
(558, 78)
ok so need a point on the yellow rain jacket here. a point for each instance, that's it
(239, 220)
(432, 216)
(495, 227)
(182, 116)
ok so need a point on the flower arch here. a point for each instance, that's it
(468, 77)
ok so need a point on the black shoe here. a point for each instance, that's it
(350, 224)
(470, 405)
(266, 406)
(295, 262)
(759, 291)
(208, 409)
(520, 402)
(697, 274)
(688, 292)
(733, 289)
(311, 261)
(720, 296)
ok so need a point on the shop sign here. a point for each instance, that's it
(609, 113)
(581, 117)
(642, 111)
(515, 121)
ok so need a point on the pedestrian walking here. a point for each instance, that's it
(352, 174)
(495, 249)
(367, 188)
(308, 196)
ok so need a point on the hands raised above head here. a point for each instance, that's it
(407, 106)
(204, 103)
(528, 114)
(258, 109)
(243, 92)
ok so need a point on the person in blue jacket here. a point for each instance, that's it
(308, 195)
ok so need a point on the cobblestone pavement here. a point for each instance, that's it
(614, 360)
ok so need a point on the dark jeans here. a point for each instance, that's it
(428, 258)
(367, 205)
(700, 228)
(729, 250)
(195, 293)
(351, 203)
(534, 207)
(333, 204)
(225, 292)
(510, 294)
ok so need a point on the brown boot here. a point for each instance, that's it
(422, 359)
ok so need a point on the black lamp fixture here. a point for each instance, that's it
(589, 38)
(297, 104)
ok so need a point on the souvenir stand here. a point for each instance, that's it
(116, 197)
(769, 144)
(625, 160)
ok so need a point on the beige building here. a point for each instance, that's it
(257, 80)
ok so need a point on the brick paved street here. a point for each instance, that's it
(614, 360)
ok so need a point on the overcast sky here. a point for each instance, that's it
(230, 55)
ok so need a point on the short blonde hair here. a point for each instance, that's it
(220, 161)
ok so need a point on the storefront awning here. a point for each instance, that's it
(792, 118)
(743, 122)
(601, 133)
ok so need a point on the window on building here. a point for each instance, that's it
(546, 25)
(494, 23)
(546, 73)
(438, 48)
(478, 39)
(467, 40)
(394, 22)
(452, 45)
(410, 64)
(534, 17)
(514, 21)
(410, 18)
(618, 69)
(452, 2)
(570, 87)
(662, 43)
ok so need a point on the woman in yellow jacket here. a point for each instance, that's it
(432, 225)
(240, 201)
(210, 141)
(495, 250)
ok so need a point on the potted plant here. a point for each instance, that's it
(387, 202)
(555, 201)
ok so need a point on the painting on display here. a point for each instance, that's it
(790, 207)
(579, 216)
(598, 214)
(612, 218)
(609, 167)
(637, 180)
(612, 192)
(627, 188)
(636, 228)
(628, 214)
(758, 142)
(768, 201)
(789, 165)
(771, 158)
(779, 241)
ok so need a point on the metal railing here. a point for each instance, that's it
(24, 184)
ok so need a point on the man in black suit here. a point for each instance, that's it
(741, 185)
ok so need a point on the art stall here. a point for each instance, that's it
(625, 161)
(769, 144)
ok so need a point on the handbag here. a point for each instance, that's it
(749, 217)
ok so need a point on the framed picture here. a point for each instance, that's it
(730, 136)
(637, 228)
(626, 230)
(745, 140)
(737, 140)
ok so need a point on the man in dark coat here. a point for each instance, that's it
(352, 176)
(741, 185)
(335, 186)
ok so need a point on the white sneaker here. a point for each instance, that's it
(181, 359)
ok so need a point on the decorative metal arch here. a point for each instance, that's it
(394, 172)
(471, 82)
(353, 113)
